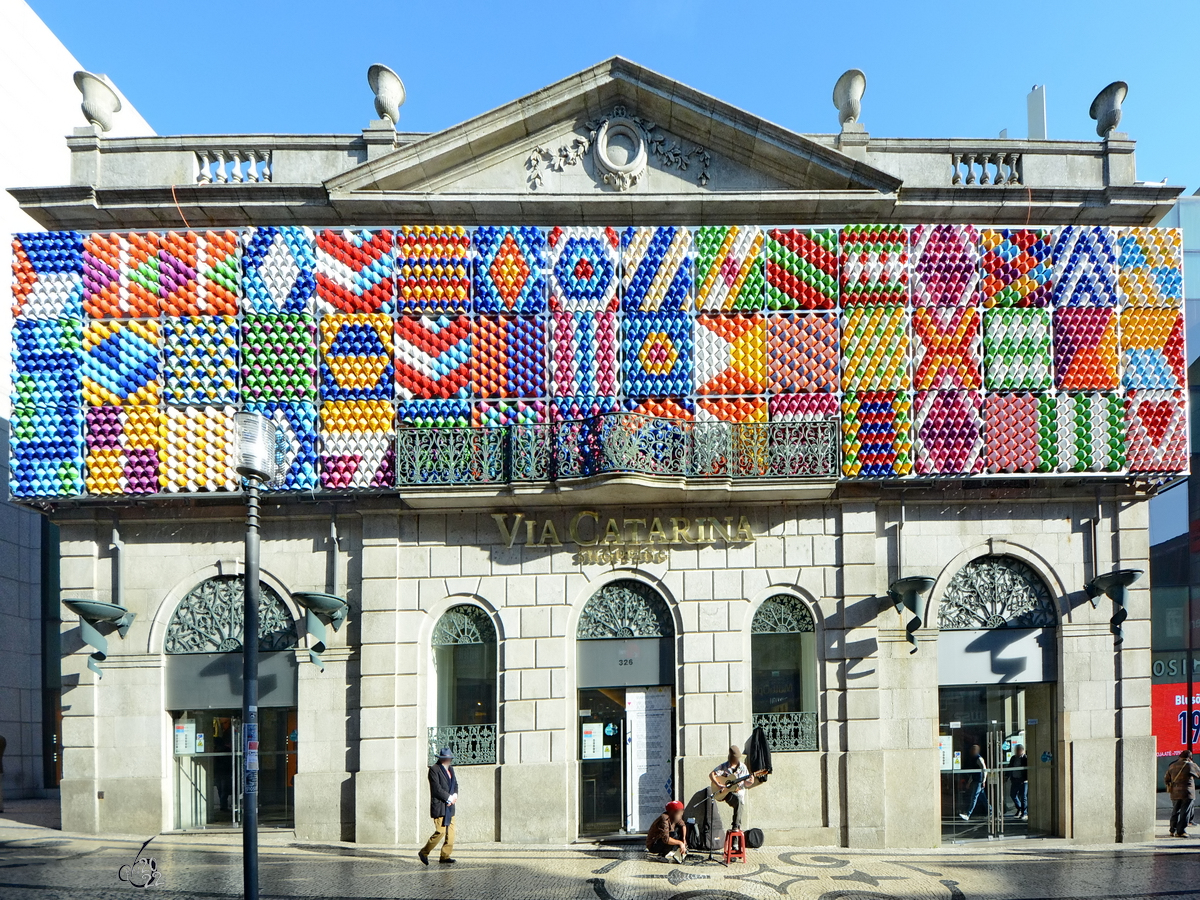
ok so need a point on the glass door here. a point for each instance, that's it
(602, 789)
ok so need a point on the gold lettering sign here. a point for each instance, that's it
(602, 539)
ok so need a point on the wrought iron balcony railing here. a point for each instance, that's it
(472, 745)
(788, 731)
(616, 443)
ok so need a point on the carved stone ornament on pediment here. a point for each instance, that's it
(621, 146)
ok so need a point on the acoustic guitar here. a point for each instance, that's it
(731, 785)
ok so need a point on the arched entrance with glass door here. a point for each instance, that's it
(204, 698)
(997, 679)
(625, 674)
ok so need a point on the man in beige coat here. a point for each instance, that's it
(1181, 782)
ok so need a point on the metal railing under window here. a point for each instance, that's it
(472, 745)
(616, 443)
(788, 731)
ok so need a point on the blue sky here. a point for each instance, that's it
(934, 69)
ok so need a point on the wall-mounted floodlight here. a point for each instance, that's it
(1116, 586)
(318, 606)
(91, 613)
(909, 593)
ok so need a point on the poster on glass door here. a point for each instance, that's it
(648, 754)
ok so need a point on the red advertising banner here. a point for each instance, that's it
(1169, 711)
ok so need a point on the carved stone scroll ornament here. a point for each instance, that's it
(996, 592)
(625, 609)
(782, 614)
(465, 624)
(209, 619)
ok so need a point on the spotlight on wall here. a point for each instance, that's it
(319, 606)
(91, 613)
(1116, 586)
(909, 593)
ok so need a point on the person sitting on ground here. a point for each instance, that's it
(667, 837)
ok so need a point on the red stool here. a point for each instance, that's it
(735, 847)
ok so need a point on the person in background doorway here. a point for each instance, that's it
(1018, 779)
(443, 794)
(667, 836)
(976, 770)
(1181, 782)
(730, 771)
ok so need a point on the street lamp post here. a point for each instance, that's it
(255, 463)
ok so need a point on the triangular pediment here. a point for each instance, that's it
(618, 129)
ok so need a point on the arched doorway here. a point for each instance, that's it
(625, 672)
(997, 674)
(204, 698)
(464, 665)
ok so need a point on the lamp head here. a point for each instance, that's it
(255, 454)
(1107, 583)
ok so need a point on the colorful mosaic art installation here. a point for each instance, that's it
(945, 265)
(1152, 349)
(664, 408)
(433, 269)
(1091, 432)
(200, 360)
(47, 272)
(657, 355)
(510, 265)
(509, 357)
(801, 269)
(802, 407)
(876, 434)
(585, 346)
(874, 265)
(875, 349)
(803, 350)
(278, 270)
(46, 451)
(198, 449)
(947, 348)
(497, 413)
(120, 275)
(295, 444)
(1016, 267)
(1085, 267)
(730, 354)
(354, 271)
(583, 265)
(729, 268)
(357, 449)
(656, 269)
(1017, 349)
(949, 432)
(1085, 348)
(1157, 431)
(47, 362)
(356, 357)
(435, 413)
(121, 364)
(736, 410)
(567, 409)
(1021, 431)
(1151, 261)
(433, 356)
(279, 358)
(124, 447)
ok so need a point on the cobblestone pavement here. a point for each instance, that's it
(37, 862)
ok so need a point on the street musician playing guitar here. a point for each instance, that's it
(729, 782)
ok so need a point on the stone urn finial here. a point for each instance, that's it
(389, 92)
(100, 101)
(1106, 108)
(848, 94)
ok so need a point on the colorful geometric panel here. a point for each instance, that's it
(433, 269)
(121, 365)
(801, 269)
(295, 444)
(356, 357)
(947, 348)
(729, 268)
(1157, 431)
(1085, 266)
(802, 353)
(874, 265)
(802, 407)
(1021, 432)
(200, 360)
(122, 275)
(730, 354)
(433, 356)
(355, 271)
(738, 410)
(46, 452)
(498, 413)
(875, 349)
(510, 270)
(1085, 348)
(279, 267)
(1017, 349)
(1017, 268)
(949, 432)
(1152, 348)
(678, 408)
(124, 448)
(279, 358)
(47, 272)
(199, 274)
(509, 356)
(584, 349)
(198, 449)
(435, 413)
(656, 269)
(945, 265)
(583, 266)
(570, 409)
(47, 359)
(876, 438)
(357, 444)
(1151, 262)
(1091, 432)
(656, 352)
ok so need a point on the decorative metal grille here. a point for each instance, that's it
(209, 619)
(472, 745)
(782, 614)
(465, 624)
(996, 592)
(625, 609)
(788, 731)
